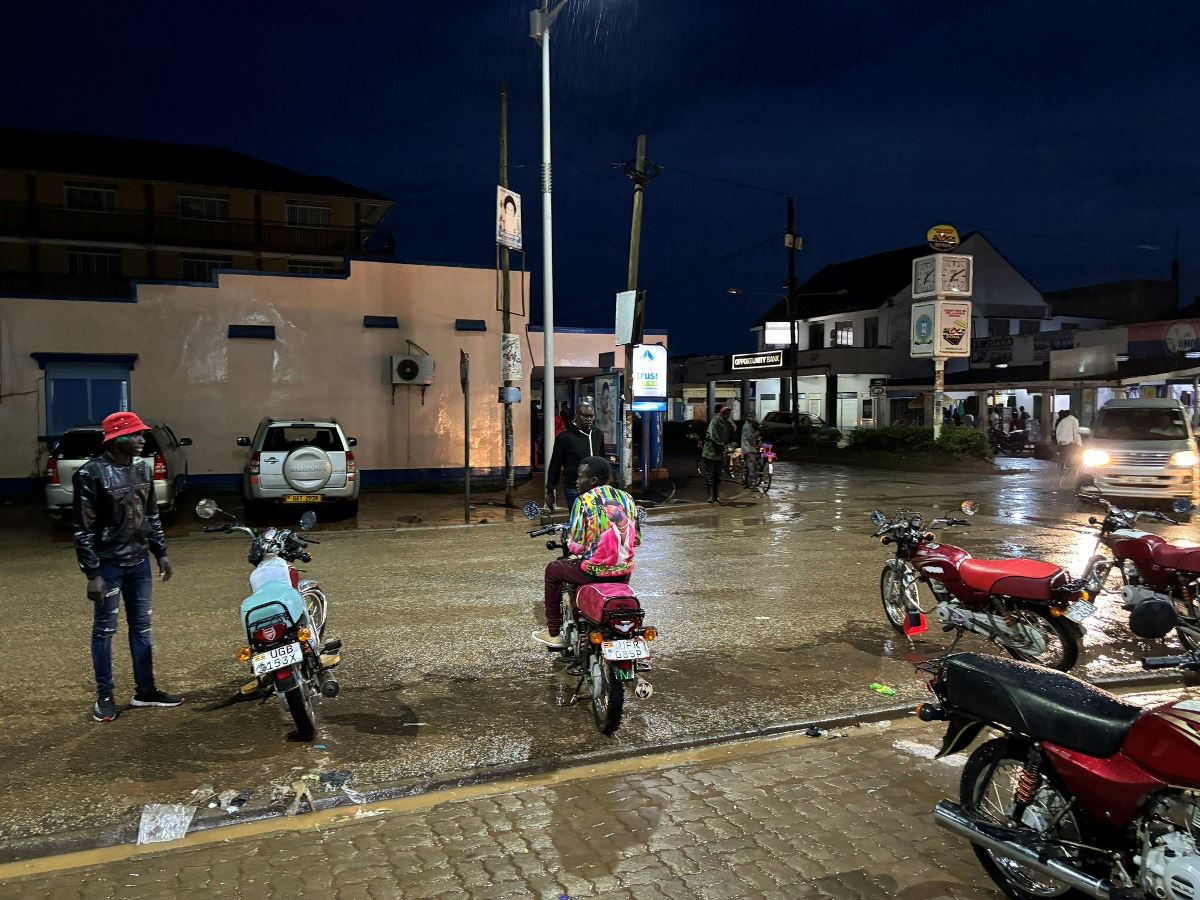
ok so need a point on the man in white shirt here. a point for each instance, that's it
(1066, 434)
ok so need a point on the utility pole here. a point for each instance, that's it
(506, 294)
(790, 241)
(641, 173)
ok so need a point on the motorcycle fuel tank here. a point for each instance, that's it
(1165, 741)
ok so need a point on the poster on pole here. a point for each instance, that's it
(607, 395)
(941, 329)
(626, 306)
(649, 372)
(510, 358)
(508, 218)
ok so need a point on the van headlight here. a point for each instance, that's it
(1185, 458)
(1093, 458)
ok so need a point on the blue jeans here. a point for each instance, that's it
(570, 495)
(133, 583)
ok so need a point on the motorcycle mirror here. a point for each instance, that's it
(1153, 619)
(1182, 506)
(531, 510)
(308, 520)
(206, 509)
(878, 519)
(969, 507)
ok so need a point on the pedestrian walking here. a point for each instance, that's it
(117, 527)
(1069, 439)
(1023, 416)
(577, 442)
(718, 436)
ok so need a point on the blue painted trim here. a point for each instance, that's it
(380, 322)
(24, 296)
(253, 332)
(15, 487)
(215, 482)
(119, 359)
(385, 477)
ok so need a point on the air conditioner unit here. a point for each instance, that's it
(412, 370)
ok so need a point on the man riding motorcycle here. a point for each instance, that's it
(603, 532)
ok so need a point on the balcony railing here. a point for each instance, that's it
(165, 229)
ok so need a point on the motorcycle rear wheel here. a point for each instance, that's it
(608, 696)
(891, 591)
(764, 479)
(299, 702)
(989, 782)
(1061, 657)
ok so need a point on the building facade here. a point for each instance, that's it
(84, 215)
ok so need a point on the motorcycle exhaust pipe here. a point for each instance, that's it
(951, 817)
(329, 685)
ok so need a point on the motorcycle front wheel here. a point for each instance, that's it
(299, 703)
(893, 592)
(608, 696)
(764, 478)
(1062, 641)
(989, 784)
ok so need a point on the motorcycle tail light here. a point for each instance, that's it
(351, 465)
(269, 635)
(160, 467)
(52, 471)
(625, 626)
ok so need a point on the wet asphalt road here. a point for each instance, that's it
(768, 612)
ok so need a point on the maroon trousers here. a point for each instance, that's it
(567, 571)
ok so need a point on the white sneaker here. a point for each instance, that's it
(550, 640)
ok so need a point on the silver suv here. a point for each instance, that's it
(164, 460)
(300, 461)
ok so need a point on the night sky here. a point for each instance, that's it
(1068, 132)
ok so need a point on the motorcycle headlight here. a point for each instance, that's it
(1186, 458)
(1093, 457)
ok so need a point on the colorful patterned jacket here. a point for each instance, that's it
(604, 530)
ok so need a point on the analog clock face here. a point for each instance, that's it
(955, 275)
(926, 272)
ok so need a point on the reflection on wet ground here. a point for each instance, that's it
(768, 611)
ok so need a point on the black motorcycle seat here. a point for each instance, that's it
(1044, 704)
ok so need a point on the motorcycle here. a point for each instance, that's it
(284, 620)
(1031, 609)
(1145, 566)
(1082, 794)
(606, 642)
(1010, 443)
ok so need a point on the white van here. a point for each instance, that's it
(1143, 448)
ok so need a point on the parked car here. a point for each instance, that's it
(778, 423)
(164, 459)
(1141, 448)
(300, 461)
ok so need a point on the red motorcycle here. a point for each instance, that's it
(1082, 795)
(1146, 567)
(1031, 609)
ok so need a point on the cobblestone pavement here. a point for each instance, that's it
(829, 817)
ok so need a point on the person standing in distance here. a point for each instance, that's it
(720, 434)
(579, 441)
(117, 527)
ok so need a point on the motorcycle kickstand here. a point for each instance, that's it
(575, 693)
(954, 643)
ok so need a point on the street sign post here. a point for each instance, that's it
(941, 327)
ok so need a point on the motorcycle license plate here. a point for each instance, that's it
(625, 650)
(1080, 610)
(276, 658)
(302, 498)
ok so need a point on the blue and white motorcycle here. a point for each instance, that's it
(284, 618)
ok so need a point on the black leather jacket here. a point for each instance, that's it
(116, 516)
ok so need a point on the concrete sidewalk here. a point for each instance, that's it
(845, 815)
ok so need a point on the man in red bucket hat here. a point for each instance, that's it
(117, 527)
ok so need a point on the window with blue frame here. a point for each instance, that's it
(81, 393)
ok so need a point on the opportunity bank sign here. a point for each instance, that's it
(771, 359)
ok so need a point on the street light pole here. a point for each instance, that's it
(539, 29)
